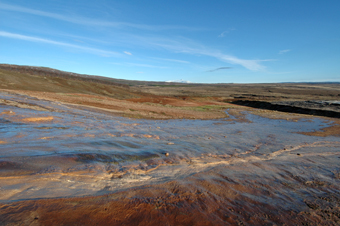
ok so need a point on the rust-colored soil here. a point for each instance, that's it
(38, 119)
(194, 202)
(333, 130)
(154, 108)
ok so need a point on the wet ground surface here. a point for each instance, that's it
(245, 169)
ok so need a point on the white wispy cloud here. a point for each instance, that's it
(284, 51)
(171, 60)
(139, 65)
(48, 41)
(223, 34)
(219, 68)
(128, 53)
(90, 21)
(253, 65)
(187, 46)
(180, 46)
(173, 44)
(145, 65)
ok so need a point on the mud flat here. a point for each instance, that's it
(62, 164)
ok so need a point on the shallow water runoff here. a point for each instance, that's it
(53, 150)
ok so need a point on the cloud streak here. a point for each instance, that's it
(173, 44)
(89, 21)
(180, 46)
(190, 47)
(223, 34)
(285, 51)
(139, 65)
(100, 52)
(220, 68)
(172, 60)
(253, 65)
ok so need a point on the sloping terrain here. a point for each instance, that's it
(162, 100)
(42, 80)
(96, 92)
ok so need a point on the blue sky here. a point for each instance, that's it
(215, 41)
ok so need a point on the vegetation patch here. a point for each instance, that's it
(207, 108)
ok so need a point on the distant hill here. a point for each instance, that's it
(326, 82)
(43, 79)
(51, 80)
(50, 72)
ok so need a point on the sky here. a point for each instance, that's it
(206, 41)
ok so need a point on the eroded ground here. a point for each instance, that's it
(69, 163)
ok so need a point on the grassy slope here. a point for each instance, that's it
(51, 80)
(25, 81)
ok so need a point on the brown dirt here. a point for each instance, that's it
(134, 107)
(7, 113)
(333, 130)
(194, 202)
(38, 119)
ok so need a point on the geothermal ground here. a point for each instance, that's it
(86, 150)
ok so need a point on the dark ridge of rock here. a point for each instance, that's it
(300, 107)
